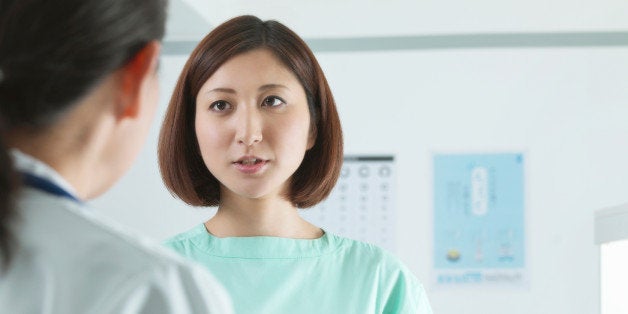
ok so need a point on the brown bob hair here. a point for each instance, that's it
(182, 167)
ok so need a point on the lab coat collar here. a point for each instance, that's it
(29, 164)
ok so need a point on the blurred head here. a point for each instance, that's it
(57, 56)
(52, 53)
(183, 165)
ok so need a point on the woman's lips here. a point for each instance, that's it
(250, 165)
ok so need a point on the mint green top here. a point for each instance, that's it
(328, 275)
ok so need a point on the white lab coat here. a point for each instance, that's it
(70, 260)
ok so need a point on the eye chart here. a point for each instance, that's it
(362, 205)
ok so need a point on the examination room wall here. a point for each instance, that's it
(566, 108)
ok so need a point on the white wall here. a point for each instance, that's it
(356, 18)
(565, 107)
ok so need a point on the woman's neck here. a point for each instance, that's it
(275, 217)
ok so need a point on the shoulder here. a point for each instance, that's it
(169, 288)
(383, 259)
(399, 289)
(131, 269)
(51, 220)
(187, 241)
(189, 235)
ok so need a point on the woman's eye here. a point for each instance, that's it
(219, 106)
(272, 101)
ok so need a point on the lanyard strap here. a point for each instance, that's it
(46, 185)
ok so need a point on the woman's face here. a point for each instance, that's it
(253, 125)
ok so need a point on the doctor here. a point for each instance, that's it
(78, 91)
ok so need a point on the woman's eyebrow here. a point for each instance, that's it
(272, 86)
(222, 89)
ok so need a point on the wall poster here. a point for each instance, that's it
(479, 219)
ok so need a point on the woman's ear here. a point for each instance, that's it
(133, 76)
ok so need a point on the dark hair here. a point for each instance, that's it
(180, 161)
(8, 185)
(54, 52)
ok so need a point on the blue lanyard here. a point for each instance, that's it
(46, 185)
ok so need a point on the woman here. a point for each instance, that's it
(78, 90)
(252, 127)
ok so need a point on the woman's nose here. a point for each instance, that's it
(249, 127)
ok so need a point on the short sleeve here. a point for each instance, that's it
(423, 305)
(407, 296)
